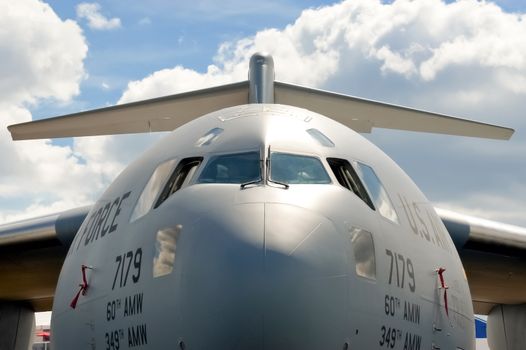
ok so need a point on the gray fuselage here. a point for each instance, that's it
(288, 264)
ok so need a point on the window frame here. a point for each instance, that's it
(319, 159)
(161, 173)
(211, 156)
(358, 189)
(356, 164)
(187, 167)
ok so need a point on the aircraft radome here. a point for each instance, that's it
(260, 223)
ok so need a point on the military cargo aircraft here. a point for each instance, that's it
(264, 220)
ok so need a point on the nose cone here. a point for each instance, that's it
(265, 276)
(306, 280)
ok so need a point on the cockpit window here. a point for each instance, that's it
(320, 137)
(152, 189)
(348, 178)
(180, 177)
(232, 169)
(377, 191)
(209, 137)
(295, 169)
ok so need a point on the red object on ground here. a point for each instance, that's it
(44, 334)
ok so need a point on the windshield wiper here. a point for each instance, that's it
(285, 186)
(253, 182)
(267, 174)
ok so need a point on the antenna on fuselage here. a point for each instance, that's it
(261, 78)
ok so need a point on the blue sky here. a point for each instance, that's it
(404, 61)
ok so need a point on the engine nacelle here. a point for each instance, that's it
(506, 325)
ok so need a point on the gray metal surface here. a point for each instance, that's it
(68, 223)
(263, 266)
(62, 226)
(505, 327)
(30, 230)
(261, 78)
(17, 322)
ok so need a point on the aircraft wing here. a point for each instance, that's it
(32, 252)
(494, 258)
(169, 112)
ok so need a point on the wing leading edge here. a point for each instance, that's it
(32, 253)
(493, 255)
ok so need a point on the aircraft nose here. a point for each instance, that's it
(305, 278)
(264, 276)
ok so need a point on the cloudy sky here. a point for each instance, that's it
(465, 58)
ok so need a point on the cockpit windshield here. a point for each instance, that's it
(289, 168)
(232, 169)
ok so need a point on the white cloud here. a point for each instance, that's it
(35, 63)
(173, 80)
(42, 58)
(96, 20)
